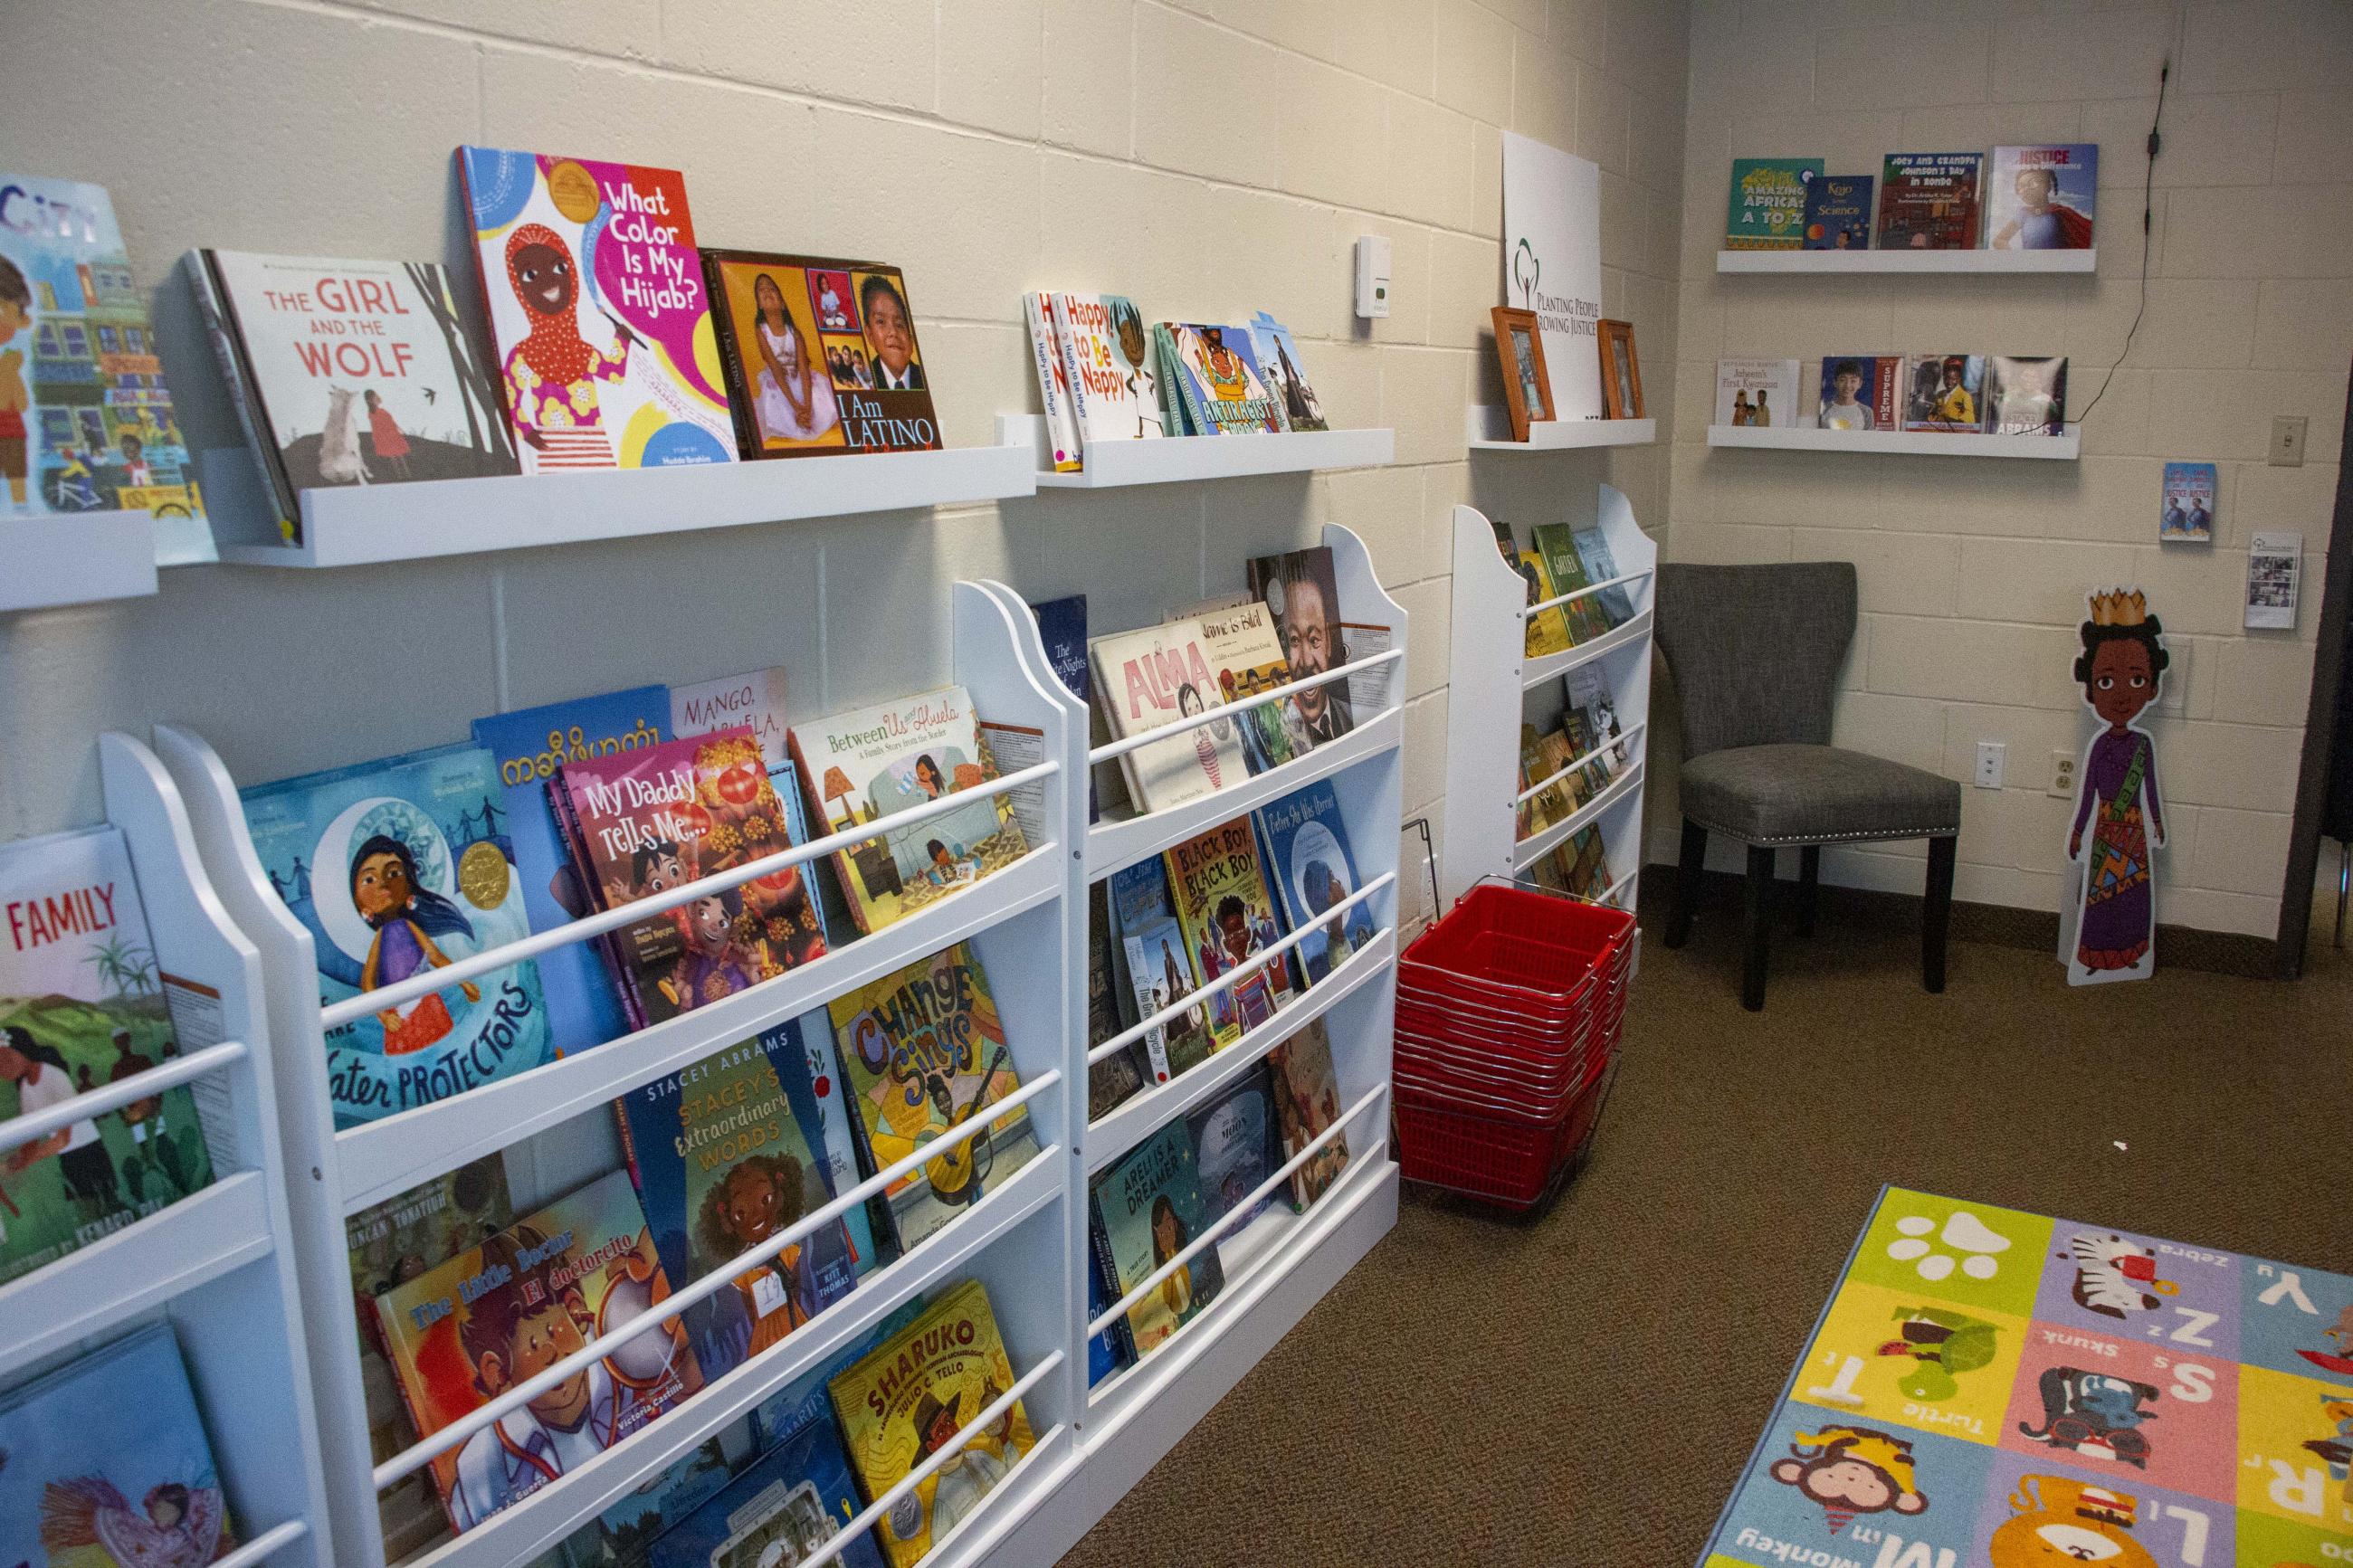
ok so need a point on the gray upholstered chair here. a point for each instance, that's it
(1756, 652)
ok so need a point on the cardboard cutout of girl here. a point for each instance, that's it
(2119, 817)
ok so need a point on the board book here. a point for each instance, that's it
(83, 1003)
(923, 1052)
(1302, 592)
(395, 868)
(1305, 840)
(1150, 679)
(1149, 1208)
(459, 1334)
(1215, 372)
(909, 1398)
(2042, 197)
(1928, 201)
(1986, 1385)
(599, 313)
(1306, 1104)
(820, 354)
(1768, 205)
(1227, 915)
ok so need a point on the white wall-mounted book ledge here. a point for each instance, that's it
(359, 524)
(1488, 428)
(1853, 261)
(1906, 443)
(1170, 460)
(75, 560)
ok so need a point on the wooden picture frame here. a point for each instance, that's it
(1622, 371)
(1519, 355)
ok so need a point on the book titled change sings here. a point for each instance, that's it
(820, 355)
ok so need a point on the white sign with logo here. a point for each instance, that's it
(1552, 263)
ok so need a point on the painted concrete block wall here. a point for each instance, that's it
(1208, 157)
(1973, 574)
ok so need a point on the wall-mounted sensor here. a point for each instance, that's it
(1372, 276)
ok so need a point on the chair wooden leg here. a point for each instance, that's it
(1687, 876)
(1756, 922)
(1936, 916)
(1809, 877)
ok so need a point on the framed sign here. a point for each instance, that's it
(1621, 372)
(1520, 350)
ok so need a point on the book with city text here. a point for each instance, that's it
(1226, 912)
(1281, 367)
(820, 355)
(1152, 969)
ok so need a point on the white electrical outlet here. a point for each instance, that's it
(2287, 441)
(2063, 775)
(1372, 276)
(1990, 759)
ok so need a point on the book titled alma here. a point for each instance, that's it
(1151, 679)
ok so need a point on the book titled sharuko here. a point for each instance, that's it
(1760, 393)
(1309, 862)
(461, 1334)
(1226, 913)
(1063, 433)
(1861, 392)
(820, 355)
(86, 422)
(82, 1004)
(1928, 201)
(2041, 197)
(1155, 677)
(869, 764)
(1767, 207)
(397, 869)
(349, 372)
(598, 311)
(1215, 372)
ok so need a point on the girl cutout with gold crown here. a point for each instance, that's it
(2119, 819)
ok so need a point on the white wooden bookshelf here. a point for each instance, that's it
(220, 1265)
(359, 524)
(51, 560)
(1172, 459)
(1849, 263)
(1490, 679)
(2063, 449)
(1488, 428)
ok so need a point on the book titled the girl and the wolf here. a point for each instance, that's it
(397, 868)
(599, 313)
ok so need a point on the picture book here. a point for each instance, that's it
(395, 868)
(2026, 396)
(909, 1398)
(645, 821)
(599, 313)
(1234, 1145)
(871, 763)
(1861, 392)
(1118, 1077)
(1944, 393)
(923, 1052)
(1563, 568)
(1148, 1207)
(1757, 392)
(2190, 502)
(1928, 201)
(1306, 1104)
(86, 422)
(802, 1050)
(780, 1414)
(1173, 420)
(1616, 604)
(1245, 658)
(529, 744)
(459, 1334)
(1105, 388)
(1553, 799)
(349, 372)
(1547, 631)
(1063, 628)
(1308, 860)
(1217, 377)
(721, 1164)
(390, 1241)
(820, 354)
(1303, 593)
(108, 1463)
(1283, 371)
(1062, 434)
(1768, 209)
(1585, 871)
(1837, 213)
(1226, 913)
(1592, 719)
(779, 1509)
(82, 1004)
(624, 1533)
(755, 700)
(1155, 969)
(1150, 679)
(2041, 198)
(1108, 1350)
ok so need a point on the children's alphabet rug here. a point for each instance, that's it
(1991, 1389)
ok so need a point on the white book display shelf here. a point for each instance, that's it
(221, 1264)
(1487, 428)
(1169, 458)
(1027, 1239)
(47, 561)
(1490, 678)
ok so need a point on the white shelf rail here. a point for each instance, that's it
(1622, 739)
(96, 1102)
(1365, 666)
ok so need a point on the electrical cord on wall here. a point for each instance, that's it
(2148, 226)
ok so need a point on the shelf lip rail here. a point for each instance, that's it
(1621, 738)
(1211, 715)
(1240, 973)
(418, 1456)
(139, 1086)
(1240, 1210)
(262, 1547)
(1558, 599)
(429, 980)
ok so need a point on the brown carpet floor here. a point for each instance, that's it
(1585, 1388)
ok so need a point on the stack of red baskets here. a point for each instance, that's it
(1508, 1011)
